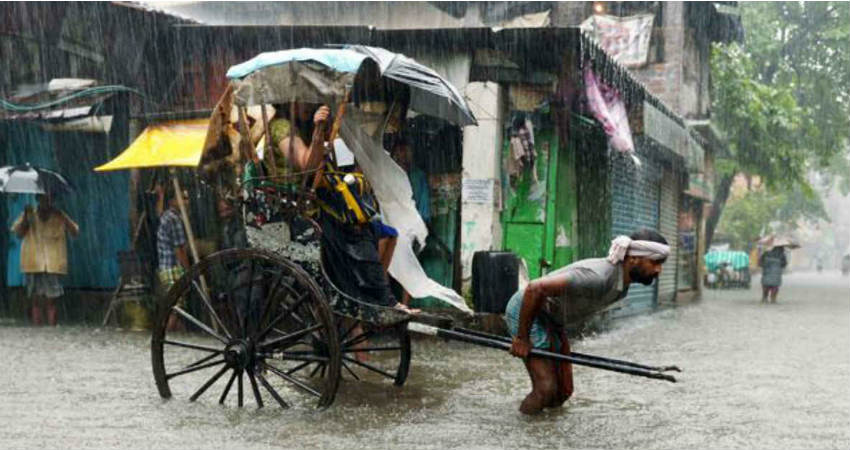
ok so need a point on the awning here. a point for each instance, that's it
(712, 136)
(166, 144)
(669, 133)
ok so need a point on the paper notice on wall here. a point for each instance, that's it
(626, 39)
(477, 191)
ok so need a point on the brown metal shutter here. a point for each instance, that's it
(669, 227)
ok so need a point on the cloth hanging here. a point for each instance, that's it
(608, 108)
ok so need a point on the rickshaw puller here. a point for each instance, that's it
(537, 315)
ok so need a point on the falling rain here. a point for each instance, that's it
(328, 225)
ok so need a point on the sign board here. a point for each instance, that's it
(477, 191)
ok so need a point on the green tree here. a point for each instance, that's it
(762, 124)
(806, 46)
(782, 99)
(751, 216)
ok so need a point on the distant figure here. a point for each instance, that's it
(772, 264)
(537, 315)
(171, 241)
(403, 156)
(44, 254)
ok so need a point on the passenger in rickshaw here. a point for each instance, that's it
(387, 236)
(349, 238)
(305, 124)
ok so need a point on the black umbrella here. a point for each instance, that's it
(25, 179)
(430, 93)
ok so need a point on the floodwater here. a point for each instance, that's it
(756, 376)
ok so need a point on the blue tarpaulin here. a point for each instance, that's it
(739, 260)
(337, 59)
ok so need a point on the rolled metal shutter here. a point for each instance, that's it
(669, 227)
(635, 197)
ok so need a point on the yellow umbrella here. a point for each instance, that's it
(167, 144)
(177, 143)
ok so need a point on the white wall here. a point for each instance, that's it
(480, 226)
(453, 66)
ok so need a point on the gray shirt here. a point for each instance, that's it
(592, 285)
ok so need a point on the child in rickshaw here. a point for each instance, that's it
(349, 240)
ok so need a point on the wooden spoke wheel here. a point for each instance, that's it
(373, 352)
(251, 319)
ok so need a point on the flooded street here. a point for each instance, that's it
(267, 188)
(755, 376)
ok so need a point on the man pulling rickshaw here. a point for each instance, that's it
(296, 320)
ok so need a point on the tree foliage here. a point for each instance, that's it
(760, 212)
(781, 99)
(762, 122)
(805, 46)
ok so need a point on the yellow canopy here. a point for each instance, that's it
(166, 144)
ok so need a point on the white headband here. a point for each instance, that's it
(624, 245)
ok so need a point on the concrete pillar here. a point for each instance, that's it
(482, 149)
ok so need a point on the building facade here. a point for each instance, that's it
(516, 63)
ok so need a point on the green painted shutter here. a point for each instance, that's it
(527, 206)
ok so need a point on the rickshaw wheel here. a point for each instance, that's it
(370, 350)
(247, 314)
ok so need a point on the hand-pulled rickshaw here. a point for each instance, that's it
(271, 313)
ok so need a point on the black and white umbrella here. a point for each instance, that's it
(25, 179)
(320, 75)
(430, 93)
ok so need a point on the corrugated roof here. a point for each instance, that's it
(160, 8)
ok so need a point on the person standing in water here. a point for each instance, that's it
(44, 254)
(536, 316)
(772, 264)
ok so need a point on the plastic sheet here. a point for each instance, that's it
(610, 110)
(392, 188)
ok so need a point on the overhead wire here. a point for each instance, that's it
(97, 90)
